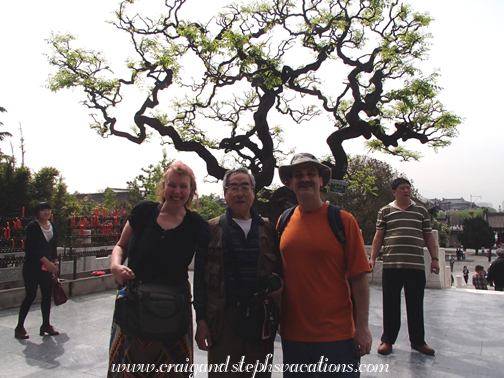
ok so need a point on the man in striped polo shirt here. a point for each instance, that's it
(402, 228)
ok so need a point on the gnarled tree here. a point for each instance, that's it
(251, 62)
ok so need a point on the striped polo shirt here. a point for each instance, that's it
(404, 231)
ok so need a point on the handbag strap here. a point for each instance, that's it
(135, 254)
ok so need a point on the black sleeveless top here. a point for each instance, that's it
(162, 255)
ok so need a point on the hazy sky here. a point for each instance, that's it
(466, 48)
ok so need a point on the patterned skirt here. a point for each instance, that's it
(137, 358)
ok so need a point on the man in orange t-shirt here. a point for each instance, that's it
(317, 323)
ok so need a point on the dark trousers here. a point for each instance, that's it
(332, 359)
(233, 349)
(32, 280)
(413, 281)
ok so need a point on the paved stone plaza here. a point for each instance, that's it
(464, 326)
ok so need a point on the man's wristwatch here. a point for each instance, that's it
(435, 258)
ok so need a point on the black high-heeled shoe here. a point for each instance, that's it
(49, 330)
(20, 333)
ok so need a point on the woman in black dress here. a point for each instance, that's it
(160, 240)
(38, 268)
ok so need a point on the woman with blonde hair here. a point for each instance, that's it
(160, 240)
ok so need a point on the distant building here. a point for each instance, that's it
(485, 204)
(453, 204)
(496, 221)
(121, 195)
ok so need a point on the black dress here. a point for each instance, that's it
(158, 255)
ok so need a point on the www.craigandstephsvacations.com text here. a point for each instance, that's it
(259, 367)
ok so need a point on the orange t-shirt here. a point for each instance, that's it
(316, 305)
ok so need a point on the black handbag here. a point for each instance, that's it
(154, 311)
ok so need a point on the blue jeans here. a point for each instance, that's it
(319, 359)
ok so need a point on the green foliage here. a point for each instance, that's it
(109, 200)
(134, 195)
(16, 190)
(87, 206)
(477, 233)
(457, 217)
(145, 186)
(261, 57)
(19, 188)
(211, 206)
(444, 232)
(3, 134)
(369, 189)
(63, 205)
(44, 184)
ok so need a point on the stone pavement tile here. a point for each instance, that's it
(9, 318)
(467, 364)
(11, 345)
(83, 357)
(15, 366)
(400, 369)
(65, 373)
(433, 331)
(471, 332)
(494, 349)
(100, 371)
(9, 315)
(466, 309)
(62, 351)
(45, 349)
(460, 344)
(92, 310)
(81, 347)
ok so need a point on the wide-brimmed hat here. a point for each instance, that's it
(285, 171)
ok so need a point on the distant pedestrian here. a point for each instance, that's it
(465, 273)
(463, 253)
(479, 281)
(489, 255)
(496, 271)
(452, 263)
(39, 267)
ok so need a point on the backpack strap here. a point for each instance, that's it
(334, 214)
(284, 219)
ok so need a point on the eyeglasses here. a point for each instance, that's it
(234, 188)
